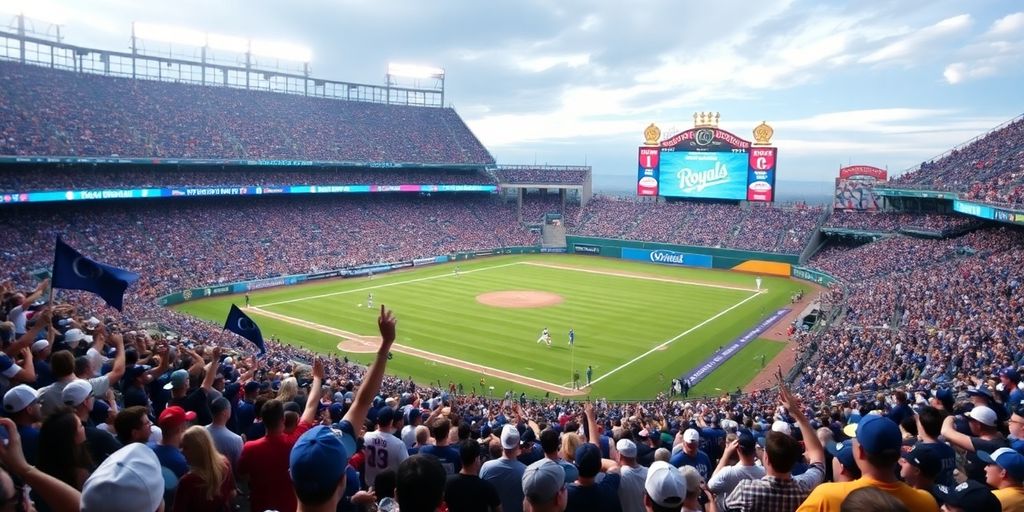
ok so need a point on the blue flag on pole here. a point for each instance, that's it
(240, 324)
(72, 271)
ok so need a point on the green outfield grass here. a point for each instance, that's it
(619, 320)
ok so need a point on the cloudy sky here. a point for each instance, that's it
(886, 82)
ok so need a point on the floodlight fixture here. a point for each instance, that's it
(414, 71)
(282, 50)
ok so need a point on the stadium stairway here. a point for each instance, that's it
(553, 236)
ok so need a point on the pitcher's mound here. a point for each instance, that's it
(519, 299)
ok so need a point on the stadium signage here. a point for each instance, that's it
(718, 358)
(586, 249)
(677, 258)
(699, 180)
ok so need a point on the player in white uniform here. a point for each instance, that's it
(382, 449)
(369, 300)
(758, 282)
(545, 336)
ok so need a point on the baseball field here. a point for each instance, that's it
(637, 325)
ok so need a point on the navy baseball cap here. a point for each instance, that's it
(319, 458)
(877, 434)
(1010, 373)
(385, 416)
(252, 386)
(1007, 459)
(844, 452)
(588, 459)
(969, 495)
(925, 459)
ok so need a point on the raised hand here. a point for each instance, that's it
(386, 323)
(318, 369)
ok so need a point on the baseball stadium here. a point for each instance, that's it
(182, 223)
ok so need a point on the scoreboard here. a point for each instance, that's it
(708, 163)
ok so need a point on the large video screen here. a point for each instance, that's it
(705, 175)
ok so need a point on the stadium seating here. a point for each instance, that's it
(61, 113)
(890, 222)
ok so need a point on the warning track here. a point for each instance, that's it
(352, 342)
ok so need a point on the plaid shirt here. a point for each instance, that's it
(770, 494)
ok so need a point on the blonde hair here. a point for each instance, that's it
(203, 459)
(289, 388)
(570, 442)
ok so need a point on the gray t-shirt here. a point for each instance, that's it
(507, 477)
(723, 482)
(228, 443)
(631, 488)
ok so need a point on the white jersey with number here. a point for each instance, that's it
(382, 451)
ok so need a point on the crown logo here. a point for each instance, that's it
(652, 134)
(705, 119)
(763, 134)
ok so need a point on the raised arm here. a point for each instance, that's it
(38, 292)
(313, 401)
(26, 340)
(119, 363)
(371, 383)
(955, 438)
(812, 445)
(211, 369)
(60, 496)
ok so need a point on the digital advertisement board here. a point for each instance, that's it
(46, 196)
(647, 172)
(761, 175)
(704, 175)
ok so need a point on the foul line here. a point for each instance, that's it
(643, 277)
(423, 354)
(385, 285)
(669, 342)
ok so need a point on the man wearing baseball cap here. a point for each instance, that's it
(876, 449)
(588, 494)
(382, 449)
(664, 489)
(544, 486)
(985, 437)
(726, 477)
(844, 466)
(1010, 378)
(21, 404)
(631, 488)
(920, 468)
(128, 481)
(78, 395)
(506, 472)
(317, 465)
(1004, 472)
(173, 421)
(691, 455)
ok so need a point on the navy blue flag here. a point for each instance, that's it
(240, 324)
(72, 271)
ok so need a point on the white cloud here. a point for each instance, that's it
(1009, 25)
(546, 62)
(906, 48)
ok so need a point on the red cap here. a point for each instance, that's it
(175, 415)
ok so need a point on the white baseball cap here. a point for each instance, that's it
(691, 436)
(76, 392)
(626, 448)
(984, 415)
(19, 397)
(130, 480)
(40, 345)
(509, 437)
(74, 336)
(665, 485)
(782, 427)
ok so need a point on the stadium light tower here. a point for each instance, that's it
(416, 74)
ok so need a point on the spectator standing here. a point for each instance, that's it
(506, 473)
(466, 491)
(209, 485)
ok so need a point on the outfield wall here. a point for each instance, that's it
(358, 271)
(767, 263)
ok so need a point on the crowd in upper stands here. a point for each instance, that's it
(890, 222)
(62, 113)
(990, 169)
(769, 229)
(542, 175)
(20, 179)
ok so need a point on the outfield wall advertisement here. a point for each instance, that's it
(666, 257)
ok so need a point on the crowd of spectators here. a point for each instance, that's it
(19, 179)
(47, 112)
(276, 431)
(989, 169)
(891, 222)
(542, 175)
(760, 228)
